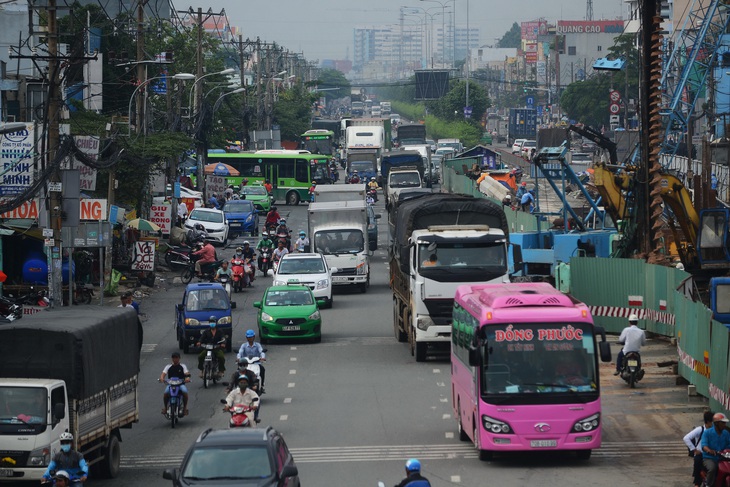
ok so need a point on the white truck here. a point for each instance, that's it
(67, 371)
(441, 241)
(338, 230)
(339, 192)
(400, 178)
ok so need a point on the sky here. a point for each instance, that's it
(323, 29)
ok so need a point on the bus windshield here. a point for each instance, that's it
(446, 261)
(527, 363)
(318, 146)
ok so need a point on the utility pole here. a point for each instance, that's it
(140, 65)
(55, 286)
(259, 67)
(200, 180)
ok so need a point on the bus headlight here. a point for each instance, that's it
(495, 426)
(587, 424)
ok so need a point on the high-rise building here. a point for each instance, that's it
(388, 46)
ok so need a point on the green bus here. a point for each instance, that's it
(290, 172)
(319, 141)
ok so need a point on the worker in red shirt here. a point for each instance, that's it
(268, 186)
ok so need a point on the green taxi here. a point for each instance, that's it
(289, 311)
(258, 196)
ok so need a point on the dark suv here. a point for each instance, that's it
(241, 457)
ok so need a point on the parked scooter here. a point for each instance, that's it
(10, 310)
(177, 257)
(631, 370)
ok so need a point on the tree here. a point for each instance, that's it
(293, 111)
(332, 78)
(451, 106)
(511, 38)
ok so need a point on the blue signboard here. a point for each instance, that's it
(530, 101)
(539, 110)
(160, 87)
(176, 189)
(467, 112)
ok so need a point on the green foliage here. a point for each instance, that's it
(467, 132)
(331, 78)
(451, 106)
(511, 38)
(409, 111)
(405, 91)
(293, 111)
(83, 122)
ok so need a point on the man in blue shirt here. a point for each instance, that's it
(251, 349)
(714, 441)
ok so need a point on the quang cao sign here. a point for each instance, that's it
(16, 161)
(590, 27)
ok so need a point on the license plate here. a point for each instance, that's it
(291, 328)
(633, 363)
(543, 443)
(6, 472)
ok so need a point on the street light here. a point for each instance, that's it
(190, 98)
(179, 76)
(443, 24)
(217, 103)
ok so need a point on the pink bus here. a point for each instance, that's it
(524, 369)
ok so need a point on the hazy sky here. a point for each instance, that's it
(322, 29)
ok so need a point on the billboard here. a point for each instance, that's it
(16, 161)
(531, 30)
(590, 27)
(431, 84)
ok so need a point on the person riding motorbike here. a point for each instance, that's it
(205, 255)
(272, 218)
(178, 371)
(312, 189)
(413, 475)
(68, 460)
(693, 440)
(249, 255)
(714, 441)
(632, 338)
(212, 336)
(302, 242)
(355, 178)
(251, 349)
(241, 395)
(283, 233)
(373, 184)
(196, 234)
(280, 250)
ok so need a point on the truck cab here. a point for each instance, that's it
(199, 302)
(400, 178)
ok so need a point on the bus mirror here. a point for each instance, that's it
(604, 349)
(473, 356)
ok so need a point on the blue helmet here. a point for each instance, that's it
(250, 334)
(413, 465)
(212, 321)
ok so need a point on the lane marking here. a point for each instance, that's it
(292, 372)
(283, 417)
(292, 359)
(148, 347)
(436, 371)
(446, 416)
(444, 399)
(293, 348)
(290, 384)
(448, 434)
(441, 384)
(456, 479)
(287, 400)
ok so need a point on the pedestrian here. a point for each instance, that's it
(527, 201)
(692, 440)
(182, 213)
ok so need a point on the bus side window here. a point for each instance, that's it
(302, 171)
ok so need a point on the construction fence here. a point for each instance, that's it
(654, 293)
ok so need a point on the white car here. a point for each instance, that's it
(527, 147)
(517, 146)
(214, 221)
(308, 269)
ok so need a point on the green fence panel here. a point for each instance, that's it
(718, 389)
(693, 341)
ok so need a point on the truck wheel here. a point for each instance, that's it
(109, 466)
(421, 349)
(292, 198)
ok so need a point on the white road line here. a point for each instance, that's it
(292, 372)
(148, 347)
(448, 434)
(283, 417)
(287, 400)
(292, 359)
(441, 384)
(290, 384)
(293, 348)
(436, 371)
(456, 479)
(446, 416)
(444, 399)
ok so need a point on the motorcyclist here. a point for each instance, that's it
(312, 189)
(68, 460)
(178, 371)
(280, 250)
(212, 336)
(241, 395)
(251, 349)
(413, 475)
(355, 178)
(205, 255)
(249, 255)
(632, 338)
(693, 441)
(282, 228)
(301, 242)
(714, 441)
(223, 270)
(265, 242)
(62, 479)
(373, 184)
(272, 218)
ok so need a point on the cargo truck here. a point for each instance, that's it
(441, 241)
(522, 124)
(399, 179)
(338, 230)
(401, 158)
(73, 371)
(365, 161)
(339, 192)
(411, 134)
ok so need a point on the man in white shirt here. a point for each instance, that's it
(182, 212)
(243, 395)
(632, 338)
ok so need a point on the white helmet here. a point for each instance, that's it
(633, 318)
(66, 437)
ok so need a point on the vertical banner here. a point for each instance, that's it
(16, 161)
(161, 214)
(89, 145)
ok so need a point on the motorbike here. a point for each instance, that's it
(10, 310)
(242, 415)
(284, 235)
(265, 260)
(226, 283)
(722, 479)
(176, 405)
(177, 257)
(254, 365)
(210, 363)
(34, 298)
(83, 293)
(207, 270)
(240, 279)
(631, 370)
(373, 193)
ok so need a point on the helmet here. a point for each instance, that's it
(250, 333)
(355, 171)
(524, 183)
(242, 377)
(66, 437)
(239, 249)
(633, 318)
(314, 183)
(282, 221)
(63, 475)
(413, 465)
(246, 242)
(302, 233)
(212, 320)
(264, 234)
(372, 179)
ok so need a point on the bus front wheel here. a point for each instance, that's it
(292, 198)
(484, 455)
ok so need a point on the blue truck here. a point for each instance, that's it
(522, 124)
